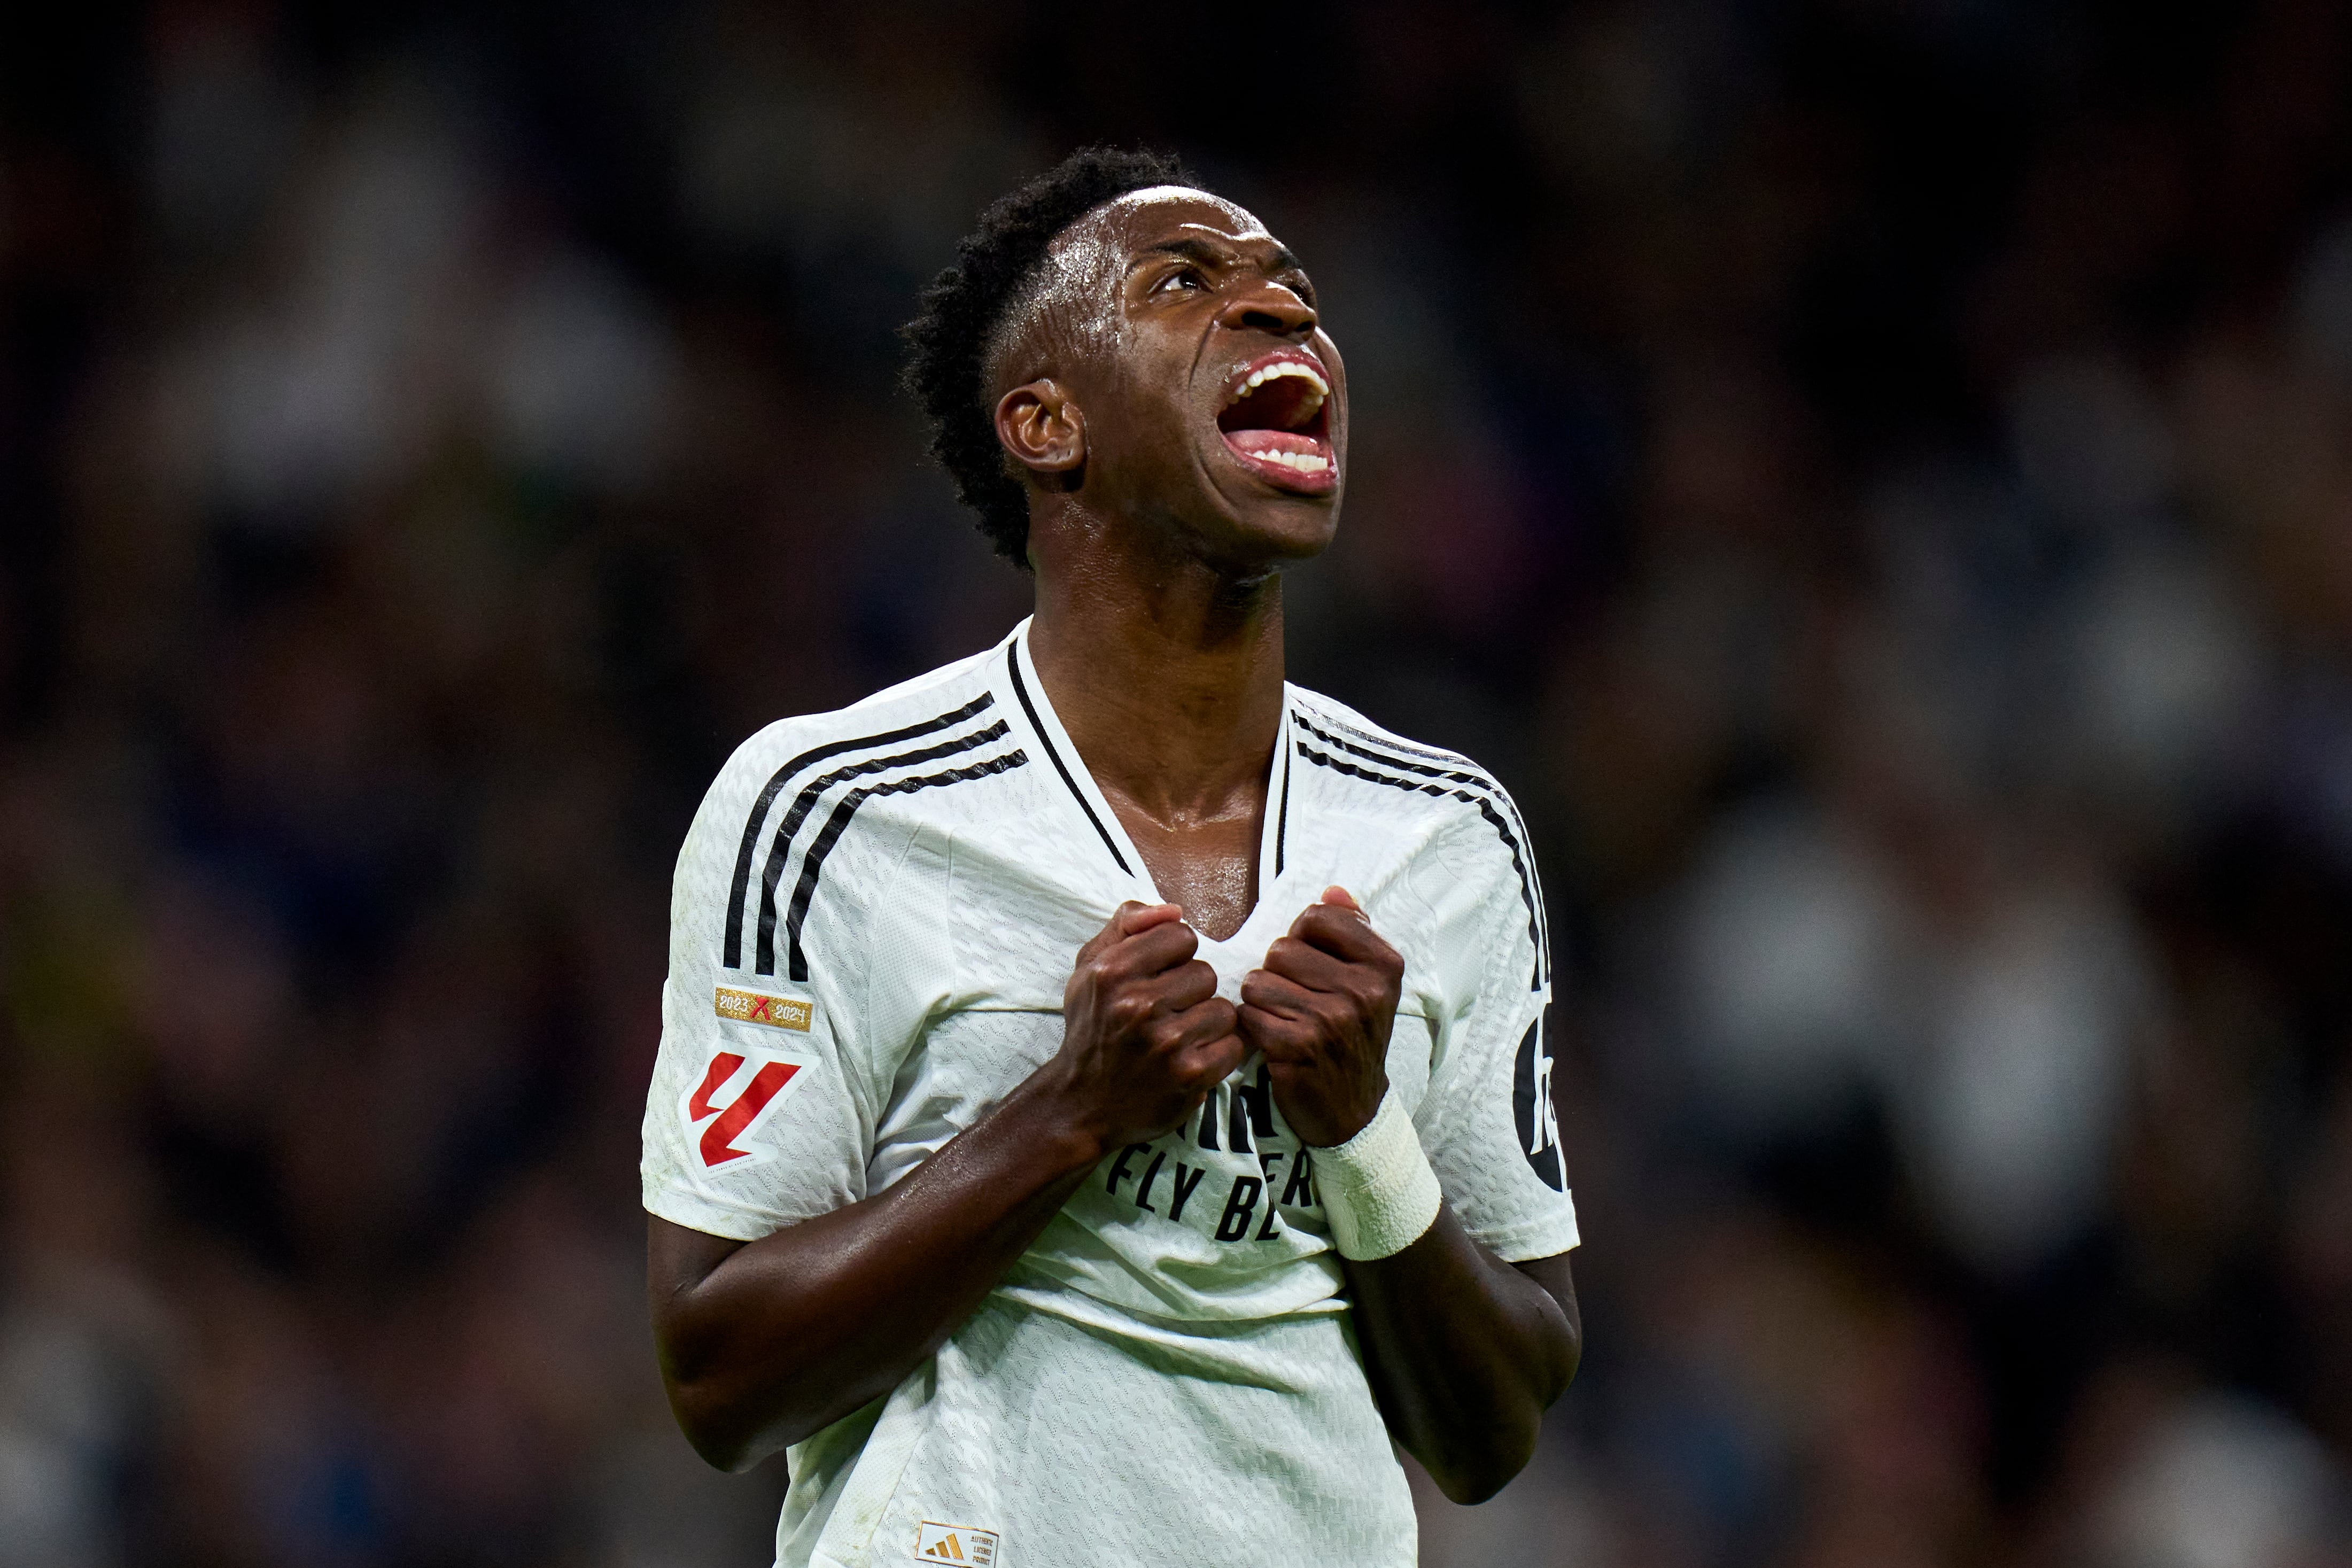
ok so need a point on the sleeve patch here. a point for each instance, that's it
(1532, 1107)
(794, 1012)
(737, 1092)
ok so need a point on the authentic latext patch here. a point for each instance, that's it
(954, 1543)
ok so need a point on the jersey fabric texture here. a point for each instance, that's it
(875, 914)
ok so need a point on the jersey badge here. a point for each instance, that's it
(754, 1008)
(740, 1091)
(938, 1543)
(1532, 1107)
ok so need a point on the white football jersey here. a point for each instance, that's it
(875, 914)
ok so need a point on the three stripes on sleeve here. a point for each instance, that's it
(836, 822)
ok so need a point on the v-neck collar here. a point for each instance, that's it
(1035, 710)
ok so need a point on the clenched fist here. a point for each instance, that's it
(1145, 1037)
(1321, 1009)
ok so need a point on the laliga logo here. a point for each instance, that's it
(739, 1090)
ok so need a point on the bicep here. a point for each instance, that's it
(678, 1259)
(1558, 1281)
(1554, 1278)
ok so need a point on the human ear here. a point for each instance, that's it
(1042, 427)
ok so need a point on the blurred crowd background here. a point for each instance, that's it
(1874, 476)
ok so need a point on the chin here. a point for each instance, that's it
(1276, 531)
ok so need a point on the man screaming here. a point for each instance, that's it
(1103, 1094)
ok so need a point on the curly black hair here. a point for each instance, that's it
(964, 306)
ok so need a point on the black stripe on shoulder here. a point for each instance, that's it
(813, 863)
(1460, 768)
(1386, 758)
(1486, 809)
(1021, 690)
(1387, 748)
(1401, 748)
(731, 949)
(780, 848)
(1386, 754)
(1282, 821)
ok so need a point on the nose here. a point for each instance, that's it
(1267, 306)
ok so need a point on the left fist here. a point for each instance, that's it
(1321, 1009)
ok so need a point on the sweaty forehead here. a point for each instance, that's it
(1142, 214)
(1155, 215)
(1070, 293)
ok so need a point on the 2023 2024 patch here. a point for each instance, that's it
(795, 1013)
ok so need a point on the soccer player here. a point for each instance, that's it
(1103, 1096)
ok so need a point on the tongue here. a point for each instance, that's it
(1252, 442)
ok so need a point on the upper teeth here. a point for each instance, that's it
(1266, 373)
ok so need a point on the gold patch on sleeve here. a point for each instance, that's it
(955, 1543)
(776, 1011)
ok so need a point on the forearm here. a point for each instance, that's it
(1465, 1354)
(767, 1343)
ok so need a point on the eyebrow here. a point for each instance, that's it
(1208, 255)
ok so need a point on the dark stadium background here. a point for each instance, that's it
(1874, 476)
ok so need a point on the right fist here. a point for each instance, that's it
(1145, 1037)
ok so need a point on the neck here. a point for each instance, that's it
(1168, 675)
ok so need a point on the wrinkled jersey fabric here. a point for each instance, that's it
(875, 914)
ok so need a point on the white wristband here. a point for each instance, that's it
(1378, 1190)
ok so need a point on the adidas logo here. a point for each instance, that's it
(955, 1543)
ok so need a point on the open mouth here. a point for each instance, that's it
(1277, 420)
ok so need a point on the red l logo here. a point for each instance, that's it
(718, 1138)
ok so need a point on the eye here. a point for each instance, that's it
(1182, 277)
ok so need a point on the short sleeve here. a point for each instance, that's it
(1487, 1120)
(765, 1091)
